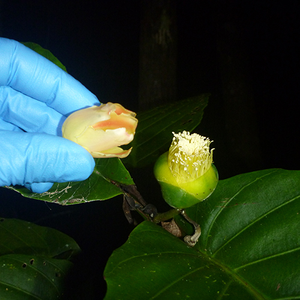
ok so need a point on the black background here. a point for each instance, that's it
(98, 42)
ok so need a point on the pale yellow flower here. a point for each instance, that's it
(101, 130)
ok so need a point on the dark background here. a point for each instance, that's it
(98, 42)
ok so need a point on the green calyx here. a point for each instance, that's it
(180, 194)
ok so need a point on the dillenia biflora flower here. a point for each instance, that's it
(102, 129)
(186, 172)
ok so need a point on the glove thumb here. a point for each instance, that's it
(37, 160)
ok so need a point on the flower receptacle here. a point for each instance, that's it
(184, 194)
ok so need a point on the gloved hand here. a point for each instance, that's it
(36, 96)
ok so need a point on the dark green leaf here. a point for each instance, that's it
(155, 265)
(31, 277)
(46, 53)
(22, 237)
(249, 247)
(33, 261)
(101, 185)
(155, 127)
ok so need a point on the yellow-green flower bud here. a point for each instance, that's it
(186, 173)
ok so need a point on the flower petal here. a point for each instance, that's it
(114, 152)
(100, 140)
(102, 129)
(78, 122)
(117, 121)
(122, 110)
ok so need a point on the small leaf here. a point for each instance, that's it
(98, 187)
(46, 53)
(155, 127)
(249, 247)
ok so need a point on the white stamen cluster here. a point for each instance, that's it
(189, 156)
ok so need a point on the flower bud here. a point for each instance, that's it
(102, 129)
(186, 173)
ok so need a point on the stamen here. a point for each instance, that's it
(189, 156)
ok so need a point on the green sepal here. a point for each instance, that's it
(177, 197)
(184, 194)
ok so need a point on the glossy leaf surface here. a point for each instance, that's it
(34, 261)
(99, 186)
(17, 236)
(155, 127)
(25, 277)
(249, 247)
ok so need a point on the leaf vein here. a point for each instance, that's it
(255, 221)
(267, 258)
(227, 203)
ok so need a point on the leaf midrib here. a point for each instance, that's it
(208, 260)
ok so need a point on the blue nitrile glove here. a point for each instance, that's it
(35, 98)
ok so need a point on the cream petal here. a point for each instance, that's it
(102, 129)
(115, 152)
(79, 121)
(118, 121)
(99, 140)
(92, 139)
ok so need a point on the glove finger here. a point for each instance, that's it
(27, 158)
(31, 74)
(7, 126)
(29, 114)
(40, 187)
